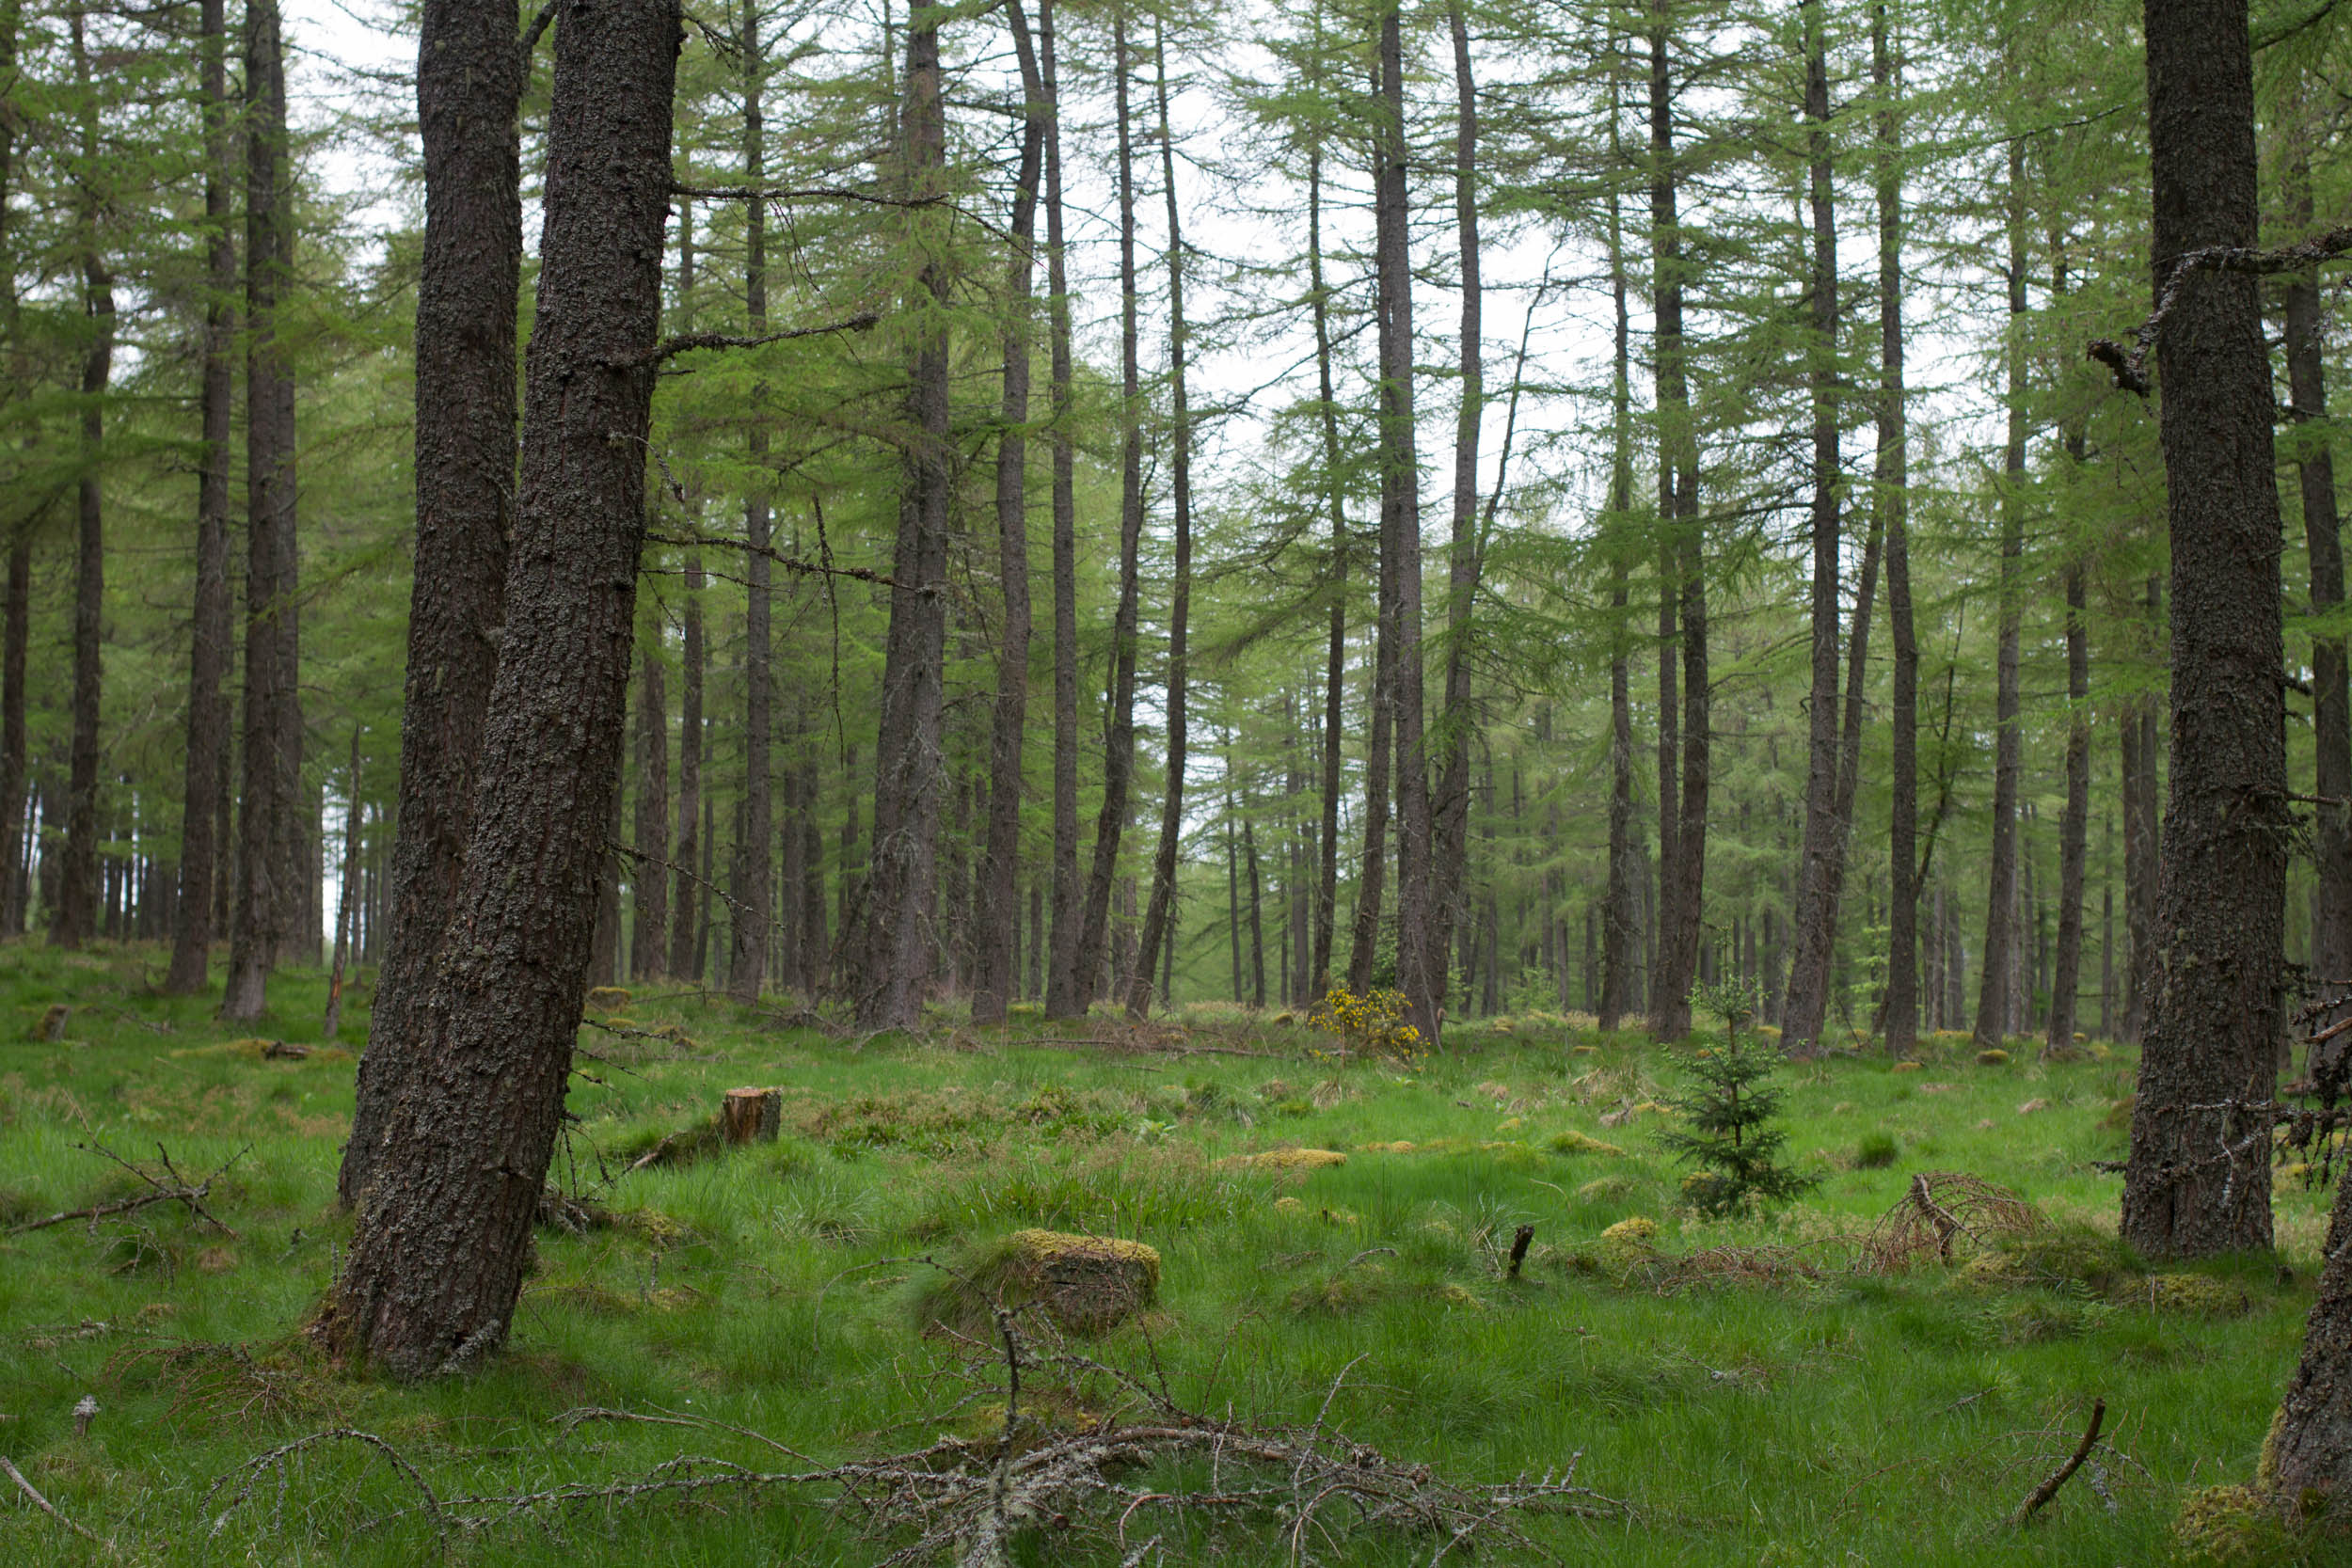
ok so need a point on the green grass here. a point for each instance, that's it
(1836, 1419)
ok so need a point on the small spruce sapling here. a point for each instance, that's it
(1728, 1109)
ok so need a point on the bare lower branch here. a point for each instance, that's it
(2130, 367)
(47, 1507)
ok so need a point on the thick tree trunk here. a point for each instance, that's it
(690, 902)
(1119, 748)
(1157, 915)
(649, 944)
(1890, 497)
(998, 976)
(444, 1236)
(2000, 900)
(1400, 541)
(901, 883)
(2198, 1178)
(1813, 920)
(210, 633)
(2331, 707)
(752, 909)
(469, 77)
(1450, 808)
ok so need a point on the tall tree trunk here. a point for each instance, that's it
(1119, 748)
(2331, 707)
(1400, 540)
(1318, 979)
(1065, 992)
(18, 603)
(444, 1240)
(752, 906)
(901, 882)
(77, 906)
(1682, 588)
(1814, 922)
(2073, 829)
(1617, 914)
(1450, 808)
(650, 944)
(210, 633)
(2213, 1031)
(1157, 923)
(16, 816)
(2000, 900)
(1890, 497)
(470, 78)
(1257, 918)
(998, 976)
(343, 897)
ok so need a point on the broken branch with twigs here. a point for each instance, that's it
(2130, 367)
(2049, 1487)
(177, 1190)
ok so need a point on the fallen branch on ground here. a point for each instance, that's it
(47, 1507)
(2058, 1478)
(177, 1190)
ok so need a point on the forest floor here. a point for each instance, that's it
(1769, 1390)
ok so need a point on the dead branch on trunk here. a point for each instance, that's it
(2130, 367)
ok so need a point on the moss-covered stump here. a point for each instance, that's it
(1085, 1284)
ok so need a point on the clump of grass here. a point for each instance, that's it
(1875, 1151)
(1573, 1142)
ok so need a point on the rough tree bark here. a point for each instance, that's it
(999, 901)
(1683, 587)
(470, 77)
(1158, 924)
(1450, 806)
(443, 1237)
(76, 919)
(2000, 900)
(2198, 1181)
(1335, 652)
(901, 884)
(1065, 994)
(1890, 497)
(1814, 922)
(1118, 747)
(753, 907)
(1618, 915)
(210, 634)
(1400, 538)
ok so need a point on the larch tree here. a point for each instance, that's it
(443, 1238)
(470, 68)
(751, 904)
(2197, 1179)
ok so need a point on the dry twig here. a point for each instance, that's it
(2058, 1478)
(47, 1507)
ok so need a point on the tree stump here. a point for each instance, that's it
(751, 1116)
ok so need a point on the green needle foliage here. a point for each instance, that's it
(1729, 1109)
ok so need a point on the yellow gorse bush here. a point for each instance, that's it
(1373, 1023)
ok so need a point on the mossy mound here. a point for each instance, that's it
(1573, 1142)
(2195, 1295)
(1604, 1187)
(1629, 1240)
(1396, 1146)
(1284, 1159)
(1086, 1284)
(2073, 1257)
(608, 999)
(1911, 1067)
(2222, 1527)
(1994, 1058)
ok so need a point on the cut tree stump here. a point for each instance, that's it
(751, 1116)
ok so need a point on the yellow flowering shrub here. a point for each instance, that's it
(1373, 1023)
